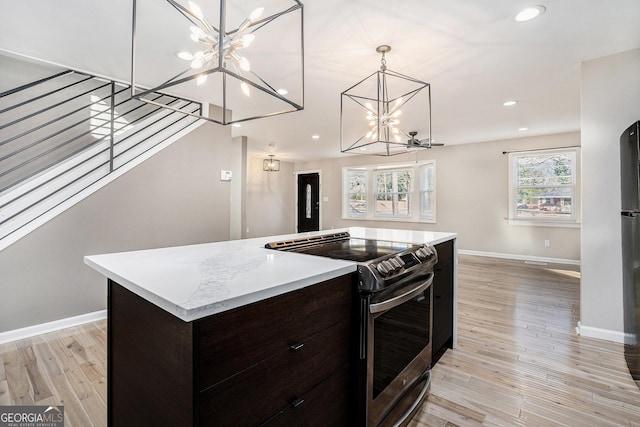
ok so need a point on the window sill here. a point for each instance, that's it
(542, 223)
(390, 219)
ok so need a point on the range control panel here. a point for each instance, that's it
(399, 263)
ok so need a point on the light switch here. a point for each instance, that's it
(225, 175)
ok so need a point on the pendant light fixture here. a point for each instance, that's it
(230, 55)
(386, 113)
(271, 164)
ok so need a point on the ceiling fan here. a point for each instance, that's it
(425, 143)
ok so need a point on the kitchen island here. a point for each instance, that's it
(232, 333)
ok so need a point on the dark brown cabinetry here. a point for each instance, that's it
(281, 361)
(443, 300)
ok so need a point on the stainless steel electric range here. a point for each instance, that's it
(395, 321)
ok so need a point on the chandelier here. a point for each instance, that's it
(271, 164)
(386, 113)
(229, 55)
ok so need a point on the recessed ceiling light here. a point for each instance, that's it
(509, 103)
(523, 129)
(315, 136)
(282, 91)
(529, 13)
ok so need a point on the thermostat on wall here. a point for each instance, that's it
(225, 175)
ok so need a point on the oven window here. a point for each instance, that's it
(400, 334)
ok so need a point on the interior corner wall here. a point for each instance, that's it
(270, 200)
(173, 198)
(472, 198)
(610, 104)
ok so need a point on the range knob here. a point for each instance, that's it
(390, 266)
(396, 263)
(382, 269)
(422, 253)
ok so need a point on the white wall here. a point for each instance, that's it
(471, 197)
(174, 198)
(610, 104)
(238, 193)
(270, 200)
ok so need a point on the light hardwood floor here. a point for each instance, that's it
(518, 361)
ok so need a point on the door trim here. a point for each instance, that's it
(295, 202)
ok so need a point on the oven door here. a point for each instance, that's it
(398, 351)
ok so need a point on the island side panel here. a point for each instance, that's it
(444, 300)
(150, 363)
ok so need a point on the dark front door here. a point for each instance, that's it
(308, 202)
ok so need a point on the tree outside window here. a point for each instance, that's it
(393, 192)
(357, 192)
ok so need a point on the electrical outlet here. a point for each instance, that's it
(547, 243)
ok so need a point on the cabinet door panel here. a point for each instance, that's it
(253, 395)
(232, 341)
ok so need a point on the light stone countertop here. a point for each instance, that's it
(195, 281)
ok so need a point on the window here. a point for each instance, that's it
(356, 192)
(403, 192)
(543, 187)
(393, 192)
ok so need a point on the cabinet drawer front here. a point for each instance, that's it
(254, 395)
(327, 404)
(232, 341)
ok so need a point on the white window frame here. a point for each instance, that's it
(571, 221)
(418, 213)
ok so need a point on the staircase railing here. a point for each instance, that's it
(64, 133)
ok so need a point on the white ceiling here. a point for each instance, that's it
(471, 52)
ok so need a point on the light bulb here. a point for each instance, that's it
(197, 62)
(201, 79)
(244, 64)
(397, 113)
(185, 55)
(257, 13)
(247, 39)
(195, 9)
(245, 89)
(198, 32)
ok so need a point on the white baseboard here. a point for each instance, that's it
(30, 331)
(605, 334)
(520, 257)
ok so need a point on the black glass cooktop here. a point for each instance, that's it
(352, 249)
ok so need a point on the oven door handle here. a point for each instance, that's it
(400, 299)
